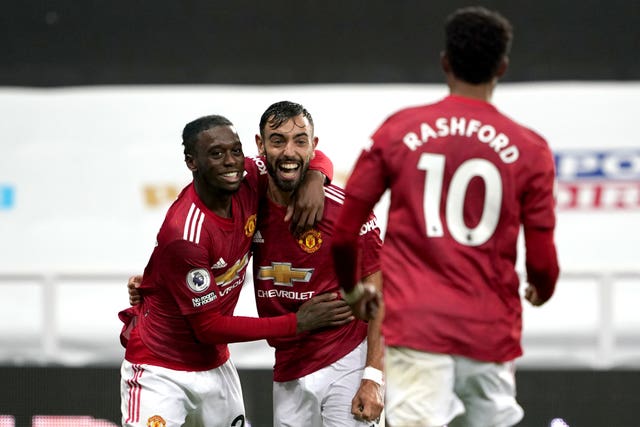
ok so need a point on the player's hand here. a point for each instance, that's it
(134, 294)
(531, 294)
(307, 205)
(366, 307)
(368, 403)
(324, 310)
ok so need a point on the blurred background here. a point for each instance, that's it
(93, 99)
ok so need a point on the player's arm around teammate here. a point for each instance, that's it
(321, 311)
(307, 206)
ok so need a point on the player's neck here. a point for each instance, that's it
(483, 92)
(278, 196)
(217, 202)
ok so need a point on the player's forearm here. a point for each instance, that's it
(541, 261)
(212, 328)
(345, 242)
(375, 344)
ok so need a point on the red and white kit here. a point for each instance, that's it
(449, 253)
(198, 266)
(321, 365)
(289, 270)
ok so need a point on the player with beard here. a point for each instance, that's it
(330, 377)
(177, 370)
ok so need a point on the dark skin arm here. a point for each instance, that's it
(368, 402)
(324, 310)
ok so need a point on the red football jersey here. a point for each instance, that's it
(199, 264)
(463, 178)
(288, 270)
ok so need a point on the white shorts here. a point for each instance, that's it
(432, 390)
(152, 396)
(322, 398)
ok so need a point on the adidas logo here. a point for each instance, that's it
(257, 238)
(220, 264)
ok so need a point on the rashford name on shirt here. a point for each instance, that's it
(461, 126)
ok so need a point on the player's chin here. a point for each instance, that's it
(230, 188)
(288, 182)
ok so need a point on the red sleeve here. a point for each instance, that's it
(256, 173)
(538, 210)
(370, 246)
(209, 324)
(541, 261)
(344, 249)
(323, 164)
(172, 266)
(211, 327)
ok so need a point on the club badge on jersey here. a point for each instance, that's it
(310, 241)
(250, 226)
(156, 421)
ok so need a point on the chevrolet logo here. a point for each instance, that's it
(233, 272)
(283, 274)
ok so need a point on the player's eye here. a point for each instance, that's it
(276, 142)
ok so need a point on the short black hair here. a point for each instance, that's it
(194, 128)
(476, 42)
(280, 112)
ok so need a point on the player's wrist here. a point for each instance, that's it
(373, 374)
(354, 294)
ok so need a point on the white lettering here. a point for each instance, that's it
(411, 140)
(621, 165)
(206, 299)
(509, 154)
(598, 195)
(474, 125)
(485, 134)
(425, 132)
(369, 226)
(458, 125)
(499, 142)
(227, 289)
(443, 126)
(283, 293)
(617, 165)
(571, 166)
(262, 168)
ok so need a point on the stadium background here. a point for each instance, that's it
(93, 96)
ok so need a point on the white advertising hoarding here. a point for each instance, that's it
(86, 174)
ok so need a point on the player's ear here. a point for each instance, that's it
(502, 68)
(444, 62)
(260, 145)
(190, 161)
(314, 142)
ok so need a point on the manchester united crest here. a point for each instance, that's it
(156, 421)
(310, 241)
(250, 226)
